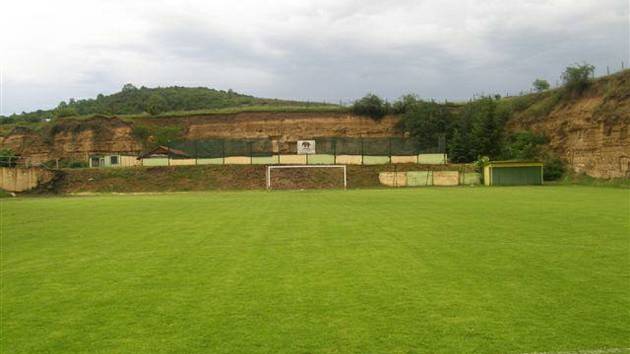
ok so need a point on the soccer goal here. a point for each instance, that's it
(278, 167)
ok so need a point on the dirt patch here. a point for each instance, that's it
(220, 177)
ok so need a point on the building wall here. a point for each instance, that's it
(288, 159)
(23, 179)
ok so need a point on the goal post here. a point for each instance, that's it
(277, 167)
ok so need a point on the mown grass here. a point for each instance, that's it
(453, 270)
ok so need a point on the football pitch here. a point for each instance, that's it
(428, 270)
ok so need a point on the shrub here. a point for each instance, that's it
(156, 104)
(405, 104)
(523, 146)
(78, 164)
(8, 158)
(521, 103)
(541, 85)
(7, 120)
(577, 78)
(65, 110)
(141, 133)
(554, 168)
(370, 105)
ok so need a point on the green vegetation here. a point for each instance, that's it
(452, 270)
(577, 78)
(426, 122)
(586, 180)
(155, 101)
(7, 158)
(541, 85)
(372, 106)
(156, 135)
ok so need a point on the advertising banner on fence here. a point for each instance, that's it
(306, 147)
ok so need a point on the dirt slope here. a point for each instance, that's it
(76, 139)
(589, 132)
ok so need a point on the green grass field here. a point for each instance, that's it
(452, 270)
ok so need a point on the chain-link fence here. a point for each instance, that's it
(217, 148)
(388, 146)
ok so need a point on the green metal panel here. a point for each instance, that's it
(321, 159)
(470, 178)
(375, 160)
(210, 161)
(514, 176)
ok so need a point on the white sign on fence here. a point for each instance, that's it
(305, 147)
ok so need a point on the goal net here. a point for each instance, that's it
(306, 176)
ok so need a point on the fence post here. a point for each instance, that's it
(249, 145)
(223, 151)
(196, 155)
(389, 149)
(362, 150)
(334, 142)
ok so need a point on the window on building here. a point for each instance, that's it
(113, 160)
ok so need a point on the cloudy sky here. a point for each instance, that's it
(301, 49)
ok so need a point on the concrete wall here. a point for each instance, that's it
(155, 161)
(290, 159)
(432, 159)
(445, 178)
(393, 179)
(428, 178)
(128, 161)
(419, 178)
(375, 160)
(321, 159)
(265, 160)
(470, 178)
(183, 162)
(23, 179)
(405, 159)
(238, 160)
(210, 161)
(349, 159)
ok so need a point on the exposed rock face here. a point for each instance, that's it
(591, 132)
(290, 126)
(72, 139)
(76, 139)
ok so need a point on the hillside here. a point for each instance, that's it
(154, 101)
(587, 132)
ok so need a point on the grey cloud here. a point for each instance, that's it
(330, 62)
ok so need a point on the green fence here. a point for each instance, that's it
(374, 149)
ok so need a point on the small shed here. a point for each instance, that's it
(112, 160)
(161, 156)
(513, 173)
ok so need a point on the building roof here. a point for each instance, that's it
(163, 150)
(514, 163)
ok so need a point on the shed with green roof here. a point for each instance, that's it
(513, 173)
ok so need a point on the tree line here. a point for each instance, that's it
(134, 100)
(476, 129)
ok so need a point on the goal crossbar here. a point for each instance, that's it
(276, 167)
